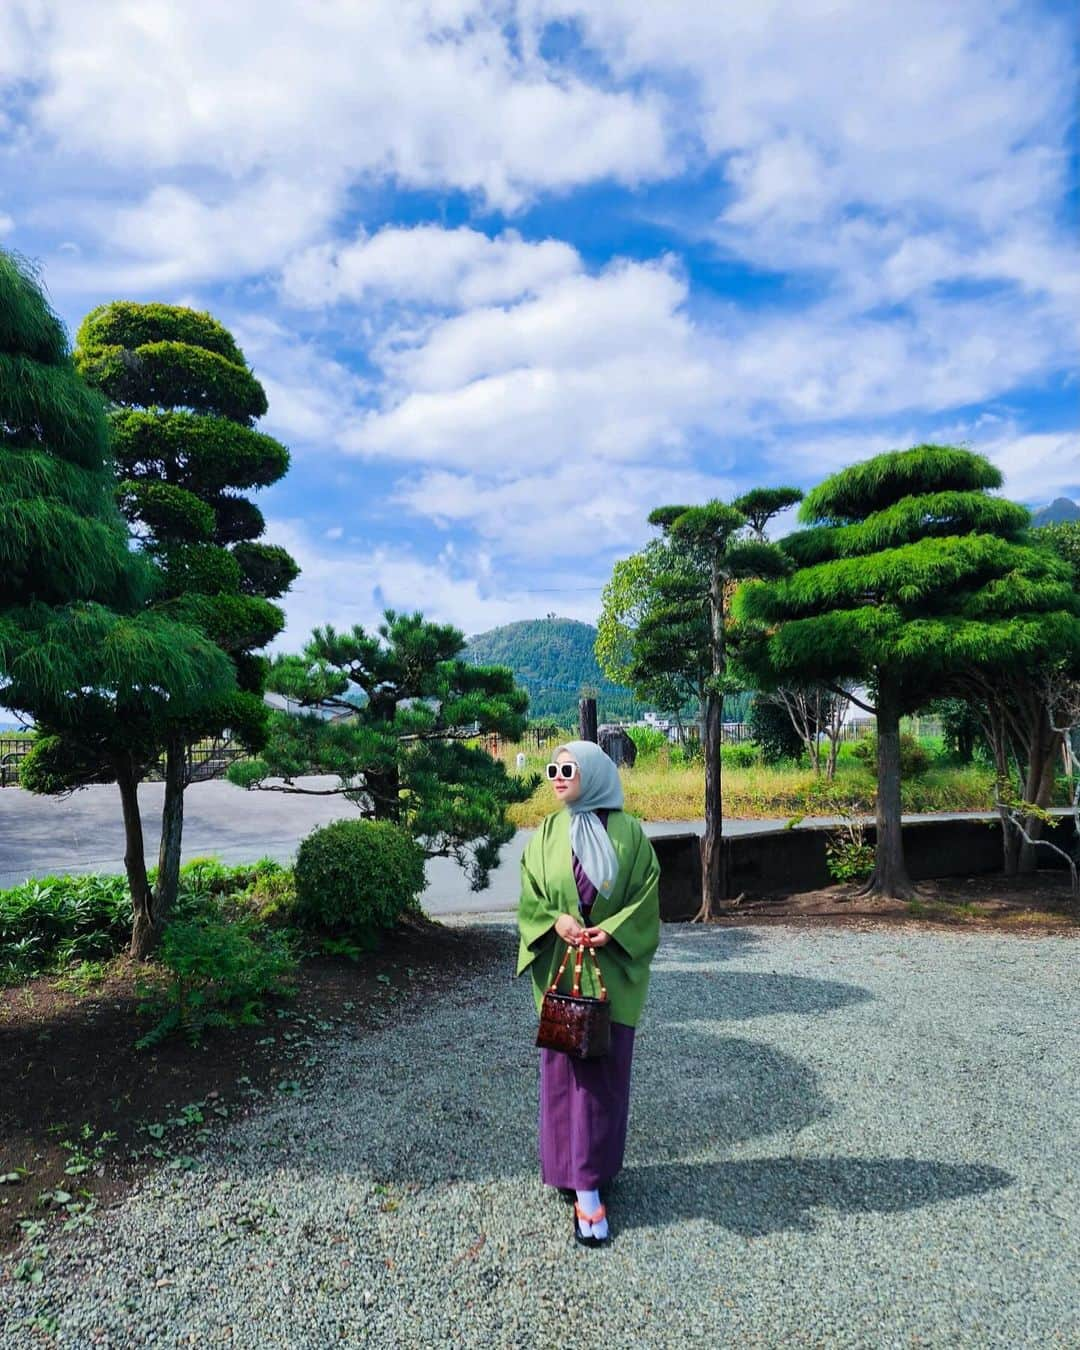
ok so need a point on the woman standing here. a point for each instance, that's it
(589, 877)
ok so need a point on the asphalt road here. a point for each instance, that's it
(42, 836)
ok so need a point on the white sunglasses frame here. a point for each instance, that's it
(566, 777)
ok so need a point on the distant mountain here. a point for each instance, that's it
(1061, 509)
(552, 659)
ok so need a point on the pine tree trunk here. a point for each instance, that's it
(890, 878)
(713, 889)
(172, 831)
(712, 842)
(143, 935)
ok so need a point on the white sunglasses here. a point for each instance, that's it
(561, 770)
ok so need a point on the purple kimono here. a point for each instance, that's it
(584, 1103)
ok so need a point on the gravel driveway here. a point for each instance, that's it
(837, 1138)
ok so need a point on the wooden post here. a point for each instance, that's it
(587, 719)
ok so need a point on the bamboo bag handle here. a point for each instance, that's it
(576, 991)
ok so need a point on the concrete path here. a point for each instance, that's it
(40, 836)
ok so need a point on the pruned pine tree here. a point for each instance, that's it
(183, 403)
(81, 653)
(395, 716)
(910, 576)
(713, 535)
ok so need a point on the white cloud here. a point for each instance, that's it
(174, 237)
(579, 508)
(345, 588)
(431, 94)
(1038, 467)
(427, 266)
(6, 224)
(602, 365)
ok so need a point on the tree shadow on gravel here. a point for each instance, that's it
(457, 1096)
(754, 1197)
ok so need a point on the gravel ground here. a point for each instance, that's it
(837, 1139)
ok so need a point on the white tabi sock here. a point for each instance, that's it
(590, 1203)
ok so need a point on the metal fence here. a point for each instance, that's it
(207, 759)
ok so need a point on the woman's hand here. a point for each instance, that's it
(569, 929)
(597, 937)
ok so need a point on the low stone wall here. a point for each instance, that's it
(789, 861)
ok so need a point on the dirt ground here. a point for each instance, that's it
(1028, 905)
(72, 1077)
(72, 1074)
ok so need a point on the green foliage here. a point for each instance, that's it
(962, 729)
(125, 324)
(915, 758)
(236, 519)
(354, 877)
(848, 856)
(204, 454)
(49, 406)
(918, 581)
(235, 622)
(183, 399)
(650, 742)
(553, 660)
(772, 730)
(199, 569)
(86, 668)
(403, 746)
(1064, 539)
(907, 521)
(920, 609)
(166, 511)
(173, 375)
(689, 754)
(741, 755)
(879, 483)
(215, 974)
(27, 322)
(265, 569)
(51, 921)
(759, 505)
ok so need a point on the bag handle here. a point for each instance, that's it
(576, 991)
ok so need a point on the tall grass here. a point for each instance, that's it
(658, 789)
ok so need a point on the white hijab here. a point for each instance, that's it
(601, 787)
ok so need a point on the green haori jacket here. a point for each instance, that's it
(631, 914)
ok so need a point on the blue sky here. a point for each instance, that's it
(515, 273)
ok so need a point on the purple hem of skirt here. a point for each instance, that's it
(584, 1109)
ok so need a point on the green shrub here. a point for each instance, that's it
(687, 754)
(354, 877)
(914, 756)
(744, 755)
(650, 741)
(215, 974)
(48, 922)
(773, 730)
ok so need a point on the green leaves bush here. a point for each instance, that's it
(743, 755)
(51, 921)
(914, 756)
(354, 877)
(215, 974)
(649, 741)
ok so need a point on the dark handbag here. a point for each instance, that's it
(574, 1022)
